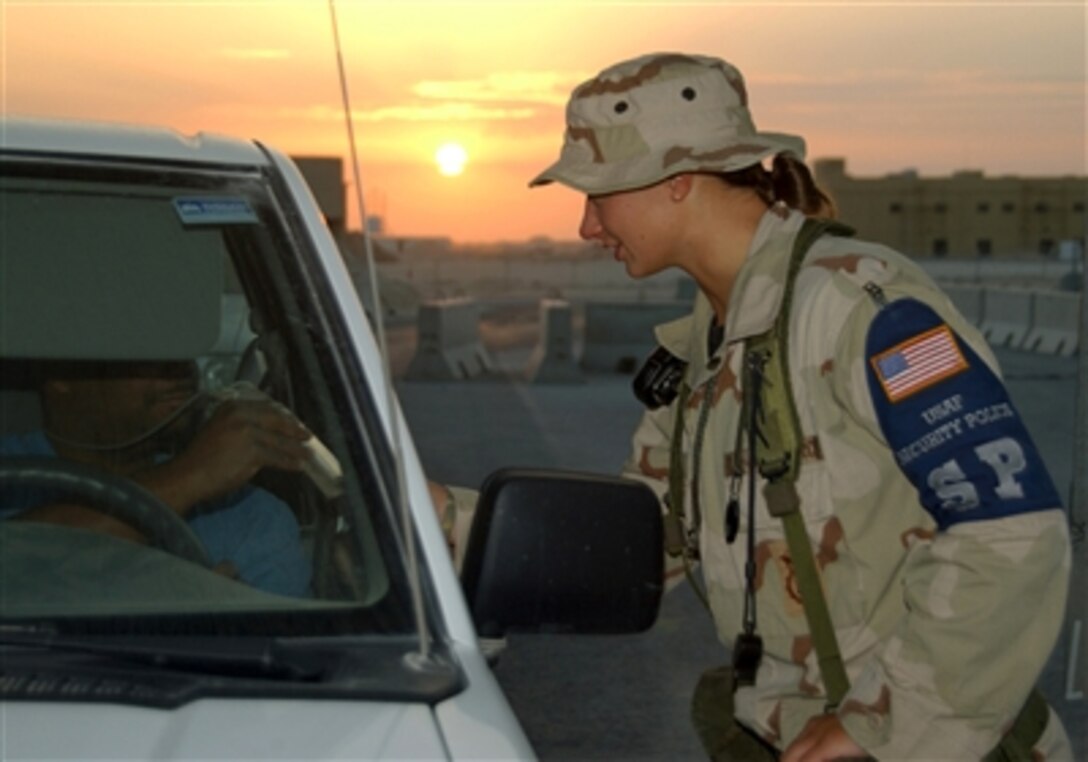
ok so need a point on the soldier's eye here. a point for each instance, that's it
(688, 93)
(620, 107)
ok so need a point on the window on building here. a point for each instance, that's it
(940, 247)
(895, 207)
(983, 207)
(1042, 207)
(1046, 246)
(1078, 206)
(940, 207)
(984, 247)
(1008, 207)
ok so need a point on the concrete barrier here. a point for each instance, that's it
(552, 360)
(448, 347)
(1008, 318)
(620, 336)
(1056, 323)
(970, 301)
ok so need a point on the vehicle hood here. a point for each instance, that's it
(221, 729)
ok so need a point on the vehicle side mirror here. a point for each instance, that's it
(560, 551)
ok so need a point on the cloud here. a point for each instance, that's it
(444, 112)
(922, 85)
(256, 54)
(544, 87)
(513, 96)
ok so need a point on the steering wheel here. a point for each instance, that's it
(113, 495)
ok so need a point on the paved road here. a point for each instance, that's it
(626, 697)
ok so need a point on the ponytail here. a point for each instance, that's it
(789, 181)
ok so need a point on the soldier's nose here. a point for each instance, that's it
(591, 224)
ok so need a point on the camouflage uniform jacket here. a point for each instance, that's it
(943, 629)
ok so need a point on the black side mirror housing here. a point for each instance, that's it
(563, 551)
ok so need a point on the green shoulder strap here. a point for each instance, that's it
(778, 457)
(780, 429)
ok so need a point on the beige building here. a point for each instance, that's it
(965, 215)
(325, 176)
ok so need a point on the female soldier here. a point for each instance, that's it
(937, 543)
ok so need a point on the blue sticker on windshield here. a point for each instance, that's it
(214, 210)
(949, 421)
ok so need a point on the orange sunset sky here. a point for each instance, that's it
(996, 86)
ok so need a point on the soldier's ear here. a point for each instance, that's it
(680, 186)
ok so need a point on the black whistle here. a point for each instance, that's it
(747, 653)
(732, 520)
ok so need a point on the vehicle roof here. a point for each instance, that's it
(88, 138)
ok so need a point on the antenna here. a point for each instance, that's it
(379, 329)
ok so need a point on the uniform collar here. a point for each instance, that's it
(754, 300)
(756, 296)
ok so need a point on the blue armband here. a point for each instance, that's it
(949, 421)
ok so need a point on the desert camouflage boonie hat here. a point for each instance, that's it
(655, 116)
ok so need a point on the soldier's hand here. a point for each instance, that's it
(823, 740)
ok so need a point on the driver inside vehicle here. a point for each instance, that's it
(144, 421)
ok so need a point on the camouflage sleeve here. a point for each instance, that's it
(648, 461)
(983, 601)
(649, 464)
(464, 510)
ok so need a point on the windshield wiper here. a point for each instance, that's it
(242, 657)
(41, 663)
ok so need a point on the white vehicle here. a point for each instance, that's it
(121, 246)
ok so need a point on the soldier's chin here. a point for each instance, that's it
(638, 272)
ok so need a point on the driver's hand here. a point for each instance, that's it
(242, 437)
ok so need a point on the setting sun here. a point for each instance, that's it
(451, 159)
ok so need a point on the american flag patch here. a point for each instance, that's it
(918, 362)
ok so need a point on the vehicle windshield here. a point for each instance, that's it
(159, 322)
